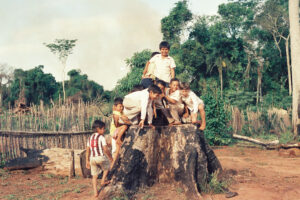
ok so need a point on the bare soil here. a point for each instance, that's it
(255, 174)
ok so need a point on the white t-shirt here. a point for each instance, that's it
(96, 143)
(192, 101)
(175, 95)
(163, 67)
(142, 100)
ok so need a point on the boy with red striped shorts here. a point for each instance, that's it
(98, 156)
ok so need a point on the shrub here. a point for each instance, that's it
(217, 131)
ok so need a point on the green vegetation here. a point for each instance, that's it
(236, 58)
(215, 185)
(217, 131)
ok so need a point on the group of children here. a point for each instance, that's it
(160, 91)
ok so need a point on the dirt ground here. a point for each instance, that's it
(256, 174)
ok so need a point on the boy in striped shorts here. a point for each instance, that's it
(98, 156)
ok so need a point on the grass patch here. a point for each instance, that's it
(123, 197)
(286, 137)
(63, 180)
(215, 185)
(4, 174)
(267, 137)
(179, 190)
(11, 197)
(48, 175)
(148, 196)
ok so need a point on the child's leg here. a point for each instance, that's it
(115, 155)
(94, 183)
(105, 165)
(194, 117)
(175, 112)
(103, 180)
(202, 115)
(121, 132)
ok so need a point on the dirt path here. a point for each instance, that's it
(258, 175)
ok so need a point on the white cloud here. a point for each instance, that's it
(108, 32)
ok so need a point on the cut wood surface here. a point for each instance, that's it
(55, 160)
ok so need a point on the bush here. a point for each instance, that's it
(217, 131)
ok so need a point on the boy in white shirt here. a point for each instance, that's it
(98, 156)
(164, 64)
(175, 103)
(141, 102)
(194, 104)
(148, 73)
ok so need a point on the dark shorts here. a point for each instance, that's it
(167, 84)
(146, 82)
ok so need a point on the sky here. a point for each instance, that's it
(107, 33)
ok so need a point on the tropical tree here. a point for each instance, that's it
(274, 19)
(36, 85)
(173, 25)
(136, 66)
(6, 75)
(63, 48)
(79, 84)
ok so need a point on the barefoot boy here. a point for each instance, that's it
(164, 64)
(118, 126)
(98, 155)
(174, 100)
(194, 104)
(148, 73)
(160, 102)
(140, 102)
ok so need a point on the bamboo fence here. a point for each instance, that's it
(12, 141)
(57, 117)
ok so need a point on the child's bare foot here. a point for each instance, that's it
(119, 142)
(151, 126)
(96, 194)
(103, 184)
(197, 122)
(174, 123)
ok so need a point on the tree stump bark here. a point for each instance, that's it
(178, 155)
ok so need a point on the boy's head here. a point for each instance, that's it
(99, 126)
(174, 84)
(154, 92)
(184, 89)
(161, 84)
(118, 104)
(136, 88)
(164, 48)
(154, 53)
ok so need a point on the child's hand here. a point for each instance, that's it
(155, 114)
(141, 124)
(88, 165)
(185, 115)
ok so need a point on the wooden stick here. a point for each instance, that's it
(255, 141)
(72, 164)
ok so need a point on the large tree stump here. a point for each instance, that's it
(177, 155)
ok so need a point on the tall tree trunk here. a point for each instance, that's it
(220, 69)
(295, 52)
(63, 80)
(259, 78)
(246, 75)
(288, 64)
